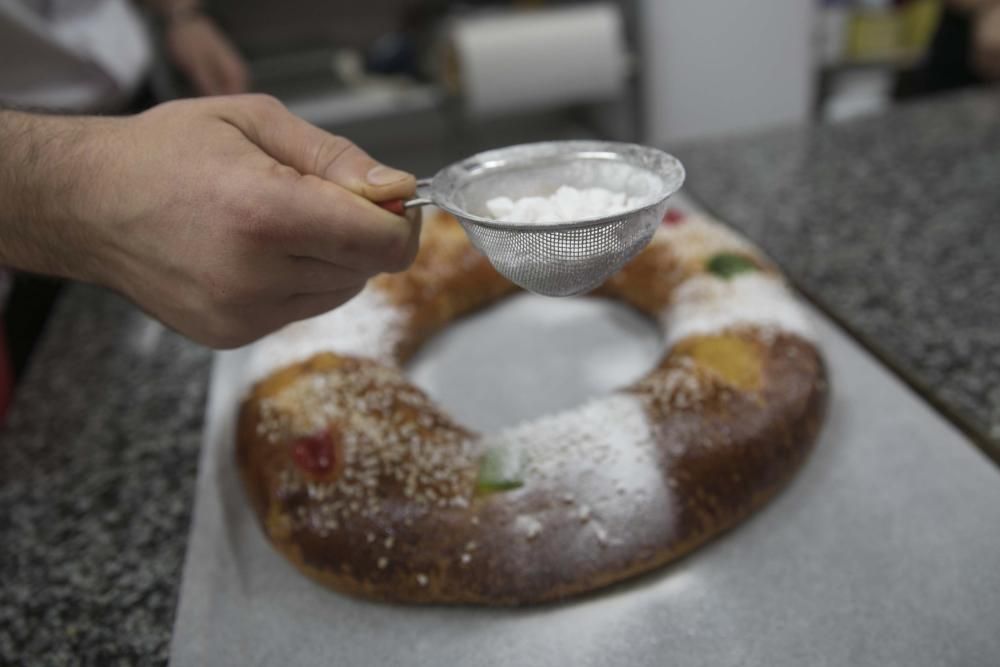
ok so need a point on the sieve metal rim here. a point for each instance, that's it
(492, 160)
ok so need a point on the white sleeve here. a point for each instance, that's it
(87, 55)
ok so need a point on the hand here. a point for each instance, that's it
(200, 50)
(225, 218)
(986, 43)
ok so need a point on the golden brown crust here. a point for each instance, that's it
(395, 513)
(448, 279)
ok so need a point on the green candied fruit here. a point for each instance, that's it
(501, 469)
(727, 264)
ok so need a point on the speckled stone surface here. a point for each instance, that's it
(97, 470)
(891, 224)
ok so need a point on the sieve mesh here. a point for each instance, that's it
(558, 259)
(564, 262)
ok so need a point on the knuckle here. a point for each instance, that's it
(258, 232)
(265, 103)
(282, 171)
(233, 294)
(170, 106)
(398, 251)
(245, 227)
(248, 214)
(327, 152)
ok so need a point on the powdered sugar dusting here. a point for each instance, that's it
(366, 326)
(706, 304)
(527, 526)
(601, 456)
(600, 463)
(677, 386)
(369, 408)
(697, 238)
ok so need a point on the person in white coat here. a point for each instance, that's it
(91, 56)
(95, 55)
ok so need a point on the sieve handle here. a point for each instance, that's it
(398, 206)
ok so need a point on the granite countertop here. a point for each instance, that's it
(889, 223)
(97, 468)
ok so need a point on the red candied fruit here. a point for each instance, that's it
(673, 216)
(314, 454)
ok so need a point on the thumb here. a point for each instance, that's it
(310, 150)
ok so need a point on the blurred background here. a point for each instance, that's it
(420, 84)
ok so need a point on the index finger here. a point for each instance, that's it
(310, 150)
(311, 217)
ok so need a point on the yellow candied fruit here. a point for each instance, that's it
(277, 525)
(733, 359)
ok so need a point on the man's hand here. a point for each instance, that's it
(200, 50)
(986, 43)
(225, 218)
(985, 18)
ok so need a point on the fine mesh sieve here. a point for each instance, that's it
(565, 258)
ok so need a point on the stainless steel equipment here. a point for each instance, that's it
(558, 259)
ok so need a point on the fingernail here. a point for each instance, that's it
(382, 175)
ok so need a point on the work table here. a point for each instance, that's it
(889, 224)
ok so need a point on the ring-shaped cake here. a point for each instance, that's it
(367, 486)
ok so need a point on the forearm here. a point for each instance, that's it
(226, 218)
(48, 166)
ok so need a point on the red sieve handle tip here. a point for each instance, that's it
(393, 206)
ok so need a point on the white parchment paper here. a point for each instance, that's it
(882, 551)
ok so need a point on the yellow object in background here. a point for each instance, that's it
(874, 35)
(895, 36)
(920, 20)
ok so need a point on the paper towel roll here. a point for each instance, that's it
(533, 59)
